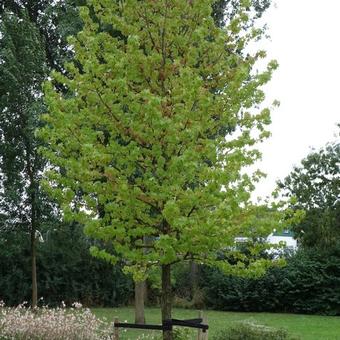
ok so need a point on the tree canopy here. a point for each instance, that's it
(148, 106)
(135, 144)
(315, 186)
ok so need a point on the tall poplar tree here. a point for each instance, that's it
(33, 41)
(22, 70)
(150, 141)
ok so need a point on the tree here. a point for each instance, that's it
(22, 70)
(136, 143)
(315, 186)
(33, 41)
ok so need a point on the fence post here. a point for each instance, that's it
(116, 329)
(199, 332)
(205, 322)
(202, 335)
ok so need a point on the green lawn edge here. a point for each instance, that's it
(307, 327)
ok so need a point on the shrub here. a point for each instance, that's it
(65, 268)
(252, 331)
(309, 284)
(22, 323)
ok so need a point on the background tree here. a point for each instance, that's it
(315, 185)
(55, 21)
(225, 10)
(149, 104)
(33, 42)
(22, 70)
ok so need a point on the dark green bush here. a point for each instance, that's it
(252, 331)
(309, 283)
(66, 271)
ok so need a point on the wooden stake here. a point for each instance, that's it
(116, 329)
(202, 335)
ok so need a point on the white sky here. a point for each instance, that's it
(305, 39)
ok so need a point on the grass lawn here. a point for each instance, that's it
(309, 327)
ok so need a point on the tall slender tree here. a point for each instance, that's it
(33, 41)
(22, 70)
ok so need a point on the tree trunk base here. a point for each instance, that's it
(166, 302)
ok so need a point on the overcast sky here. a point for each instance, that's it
(305, 39)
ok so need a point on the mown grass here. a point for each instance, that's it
(307, 327)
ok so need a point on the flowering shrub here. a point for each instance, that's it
(73, 323)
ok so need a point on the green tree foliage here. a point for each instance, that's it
(134, 141)
(55, 21)
(315, 186)
(22, 70)
(225, 10)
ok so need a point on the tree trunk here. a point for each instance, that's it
(166, 301)
(34, 220)
(34, 268)
(139, 302)
(193, 278)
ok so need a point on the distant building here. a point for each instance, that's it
(240, 239)
(286, 237)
